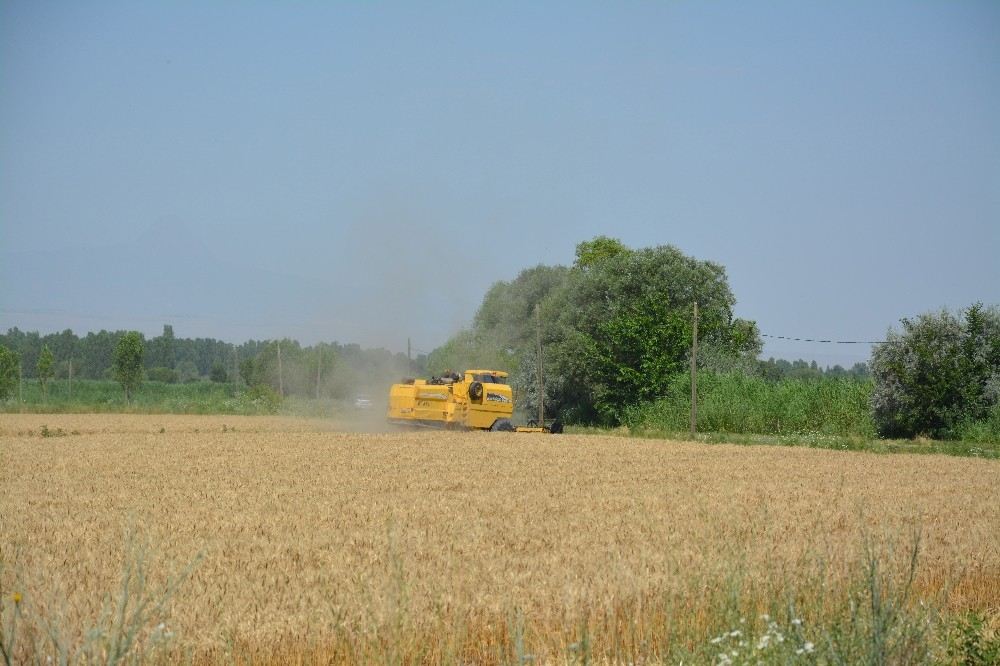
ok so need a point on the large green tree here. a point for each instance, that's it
(621, 327)
(127, 364)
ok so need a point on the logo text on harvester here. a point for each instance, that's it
(497, 397)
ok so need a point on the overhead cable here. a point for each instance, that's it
(832, 342)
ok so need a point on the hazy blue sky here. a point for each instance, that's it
(363, 172)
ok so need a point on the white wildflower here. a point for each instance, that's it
(808, 647)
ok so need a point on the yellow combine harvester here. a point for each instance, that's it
(478, 399)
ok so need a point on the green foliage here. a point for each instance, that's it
(325, 370)
(264, 399)
(970, 642)
(165, 375)
(984, 431)
(8, 372)
(187, 372)
(879, 627)
(469, 349)
(45, 367)
(218, 373)
(156, 397)
(162, 351)
(777, 369)
(248, 371)
(938, 375)
(598, 249)
(127, 366)
(737, 403)
(616, 328)
(506, 317)
(621, 330)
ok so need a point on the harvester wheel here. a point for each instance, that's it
(476, 390)
(502, 425)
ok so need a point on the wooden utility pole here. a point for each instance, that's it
(409, 357)
(71, 378)
(541, 382)
(281, 379)
(694, 373)
(20, 382)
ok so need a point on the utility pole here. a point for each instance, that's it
(541, 383)
(20, 382)
(694, 372)
(71, 378)
(409, 356)
(281, 379)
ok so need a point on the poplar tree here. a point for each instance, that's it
(127, 366)
(45, 368)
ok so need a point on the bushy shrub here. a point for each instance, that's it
(165, 375)
(218, 373)
(264, 399)
(939, 374)
(187, 371)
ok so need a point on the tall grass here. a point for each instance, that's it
(736, 403)
(131, 627)
(875, 615)
(986, 431)
(94, 395)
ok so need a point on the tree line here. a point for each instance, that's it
(778, 369)
(323, 370)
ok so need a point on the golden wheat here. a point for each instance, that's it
(323, 546)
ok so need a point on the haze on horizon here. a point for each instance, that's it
(364, 172)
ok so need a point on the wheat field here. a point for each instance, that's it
(294, 541)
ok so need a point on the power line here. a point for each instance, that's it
(832, 342)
